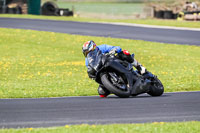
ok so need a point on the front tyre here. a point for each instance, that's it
(113, 89)
(156, 88)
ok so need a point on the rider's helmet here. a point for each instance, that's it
(88, 46)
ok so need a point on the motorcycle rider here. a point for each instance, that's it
(90, 46)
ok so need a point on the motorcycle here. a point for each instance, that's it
(119, 77)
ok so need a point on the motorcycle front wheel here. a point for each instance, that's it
(105, 79)
(157, 88)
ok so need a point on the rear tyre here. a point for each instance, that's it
(156, 88)
(113, 89)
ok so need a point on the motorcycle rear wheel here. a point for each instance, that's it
(113, 89)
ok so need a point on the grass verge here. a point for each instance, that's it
(46, 64)
(159, 22)
(156, 127)
(106, 8)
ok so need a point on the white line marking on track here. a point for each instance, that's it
(149, 26)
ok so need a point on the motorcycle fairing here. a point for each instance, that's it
(94, 59)
(141, 86)
(113, 64)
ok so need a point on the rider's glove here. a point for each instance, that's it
(113, 51)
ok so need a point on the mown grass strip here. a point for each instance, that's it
(46, 64)
(156, 127)
(159, 22)
(105, 8)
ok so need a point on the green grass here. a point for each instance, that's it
(106, 8)
(159, 22)
(46, 64)
(156, 127)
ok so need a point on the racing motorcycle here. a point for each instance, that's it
(119, 77)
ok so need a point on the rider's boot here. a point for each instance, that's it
(138, 66)
(125, 55)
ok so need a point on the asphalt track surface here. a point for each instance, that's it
(175, 36)
(45, 112)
